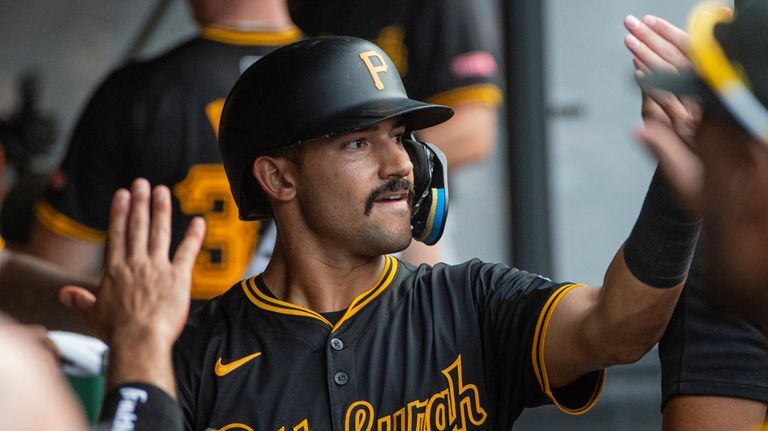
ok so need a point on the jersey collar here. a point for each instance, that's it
(240, 37)
(257, 292)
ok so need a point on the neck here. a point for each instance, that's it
(251, 15)
(315, 277)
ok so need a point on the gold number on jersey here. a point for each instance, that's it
(228, 243)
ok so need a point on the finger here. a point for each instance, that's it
(187, 251)
(78, 298)
(653, 48)
(160, 232)
(674, 35)
(138, 220)
(673, 106)
(651, 59)
(118, 214)
(640, 66)
(678, 164)
(652, 111)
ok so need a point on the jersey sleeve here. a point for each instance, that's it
(452, 53)
(515, 308)
(76, 203)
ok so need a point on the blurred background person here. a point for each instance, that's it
(158, 119)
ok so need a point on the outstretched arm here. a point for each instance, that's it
(619, 322)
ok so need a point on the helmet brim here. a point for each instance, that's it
(416, 116)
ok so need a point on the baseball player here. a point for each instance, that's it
(158, 119)
(446, 54)
(714, 373)
(338, 334)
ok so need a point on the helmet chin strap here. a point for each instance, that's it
(430, 200)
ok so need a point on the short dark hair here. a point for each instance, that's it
(292, 153)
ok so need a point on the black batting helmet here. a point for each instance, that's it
(315, 88)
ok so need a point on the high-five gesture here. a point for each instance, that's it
(143, 299)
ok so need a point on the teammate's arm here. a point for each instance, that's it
(29, 292)
(141, 306)
(75, 254)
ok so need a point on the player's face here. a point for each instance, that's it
(355, 190)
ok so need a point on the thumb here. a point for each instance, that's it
(76, 297)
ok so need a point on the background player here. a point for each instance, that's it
(376, 341)
(445, 52)
(158, 119)
(714, 373)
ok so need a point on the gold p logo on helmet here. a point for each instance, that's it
(374, 69)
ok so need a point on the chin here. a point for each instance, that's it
(387, 241)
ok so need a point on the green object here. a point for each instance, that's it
(90, 391)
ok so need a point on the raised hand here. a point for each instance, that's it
(143, 299)
(670, 122)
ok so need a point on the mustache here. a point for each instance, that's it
(393, 185)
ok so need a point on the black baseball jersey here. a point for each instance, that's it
(445, 50)
(706, 352)
(449, 347)
(158, 119)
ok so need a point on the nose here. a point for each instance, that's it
(394, 160)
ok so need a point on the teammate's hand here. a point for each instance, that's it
(670, 122)
(658, 46)
(142, 292)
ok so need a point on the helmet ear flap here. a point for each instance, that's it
(430, 198)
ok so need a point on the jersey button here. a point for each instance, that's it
(341, 378)
(336, 344)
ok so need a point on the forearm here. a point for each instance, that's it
(29, 292)
(630, 315)
(141, 356)
(76, 255)
(596, 327)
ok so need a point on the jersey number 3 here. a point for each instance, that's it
(229, 242)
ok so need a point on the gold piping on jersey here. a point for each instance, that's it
(238, 37)
(236, 426)
(537, 354)
(65, 226)
(390, 269)
(260, 299)
(487, 94)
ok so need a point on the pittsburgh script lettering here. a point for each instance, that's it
(453, 408)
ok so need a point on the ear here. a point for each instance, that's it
(275, 175)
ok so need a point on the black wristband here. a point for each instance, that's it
(140, 407)
(660, 247)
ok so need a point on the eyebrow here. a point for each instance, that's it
(399, 123)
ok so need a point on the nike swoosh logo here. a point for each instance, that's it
(222, 370)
